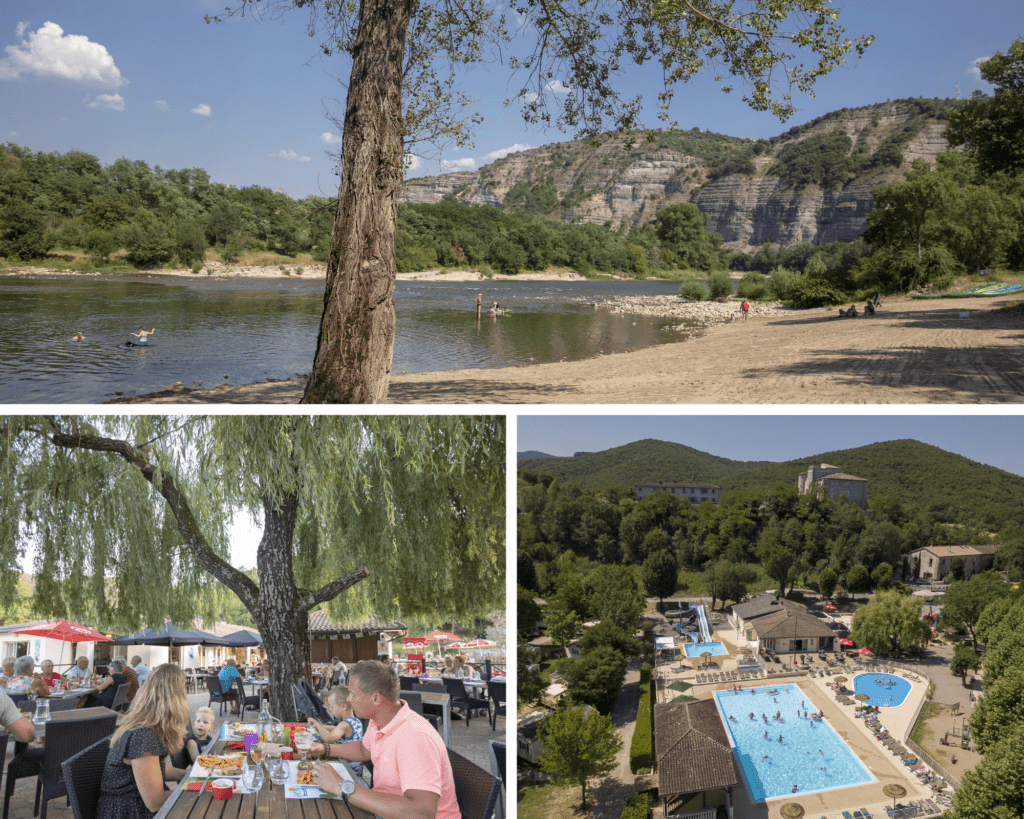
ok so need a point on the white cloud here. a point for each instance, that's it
(203, 110)
(413, 162)
(555, 86)
(976, 67)
(466, 163)
(20, 28)
(50, 53)
(161, 105)
(329, 138)
(503, 152)
(290, 155)
(12, 134)
(112, 101)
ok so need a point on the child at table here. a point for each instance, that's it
(349, 729)
(199, 736)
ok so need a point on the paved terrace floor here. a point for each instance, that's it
(471, 741)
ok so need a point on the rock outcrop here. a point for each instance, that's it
(620, 188)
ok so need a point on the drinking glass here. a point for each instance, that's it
(303, 742)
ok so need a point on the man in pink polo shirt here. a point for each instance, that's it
(412, 776)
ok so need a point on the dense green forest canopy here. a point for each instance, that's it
(949, 487)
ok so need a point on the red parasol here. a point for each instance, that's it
(478, 644)
(415, 642)
(65, 630)
(438, 636)
(845, 641)
(830, 607)
(865, 651)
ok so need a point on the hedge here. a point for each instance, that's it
(641, 749)
(635, 807)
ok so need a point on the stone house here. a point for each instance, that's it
(936, 560)
(835, 484)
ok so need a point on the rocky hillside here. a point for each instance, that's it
(753, 191)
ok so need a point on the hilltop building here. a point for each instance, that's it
(694, 492)
(936, 560)
(834, 483)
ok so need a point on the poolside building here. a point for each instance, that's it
(771, 623)
(936, 561)
(694, 761)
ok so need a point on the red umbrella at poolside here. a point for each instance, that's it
(865, 651)
(65, 630)
(845, 641)
(830, 607)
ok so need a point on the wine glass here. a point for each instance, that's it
(257, 753)
(303, 742)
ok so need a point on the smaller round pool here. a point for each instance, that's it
(697, 649)
(883, 690)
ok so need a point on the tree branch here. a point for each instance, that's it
(332, 589)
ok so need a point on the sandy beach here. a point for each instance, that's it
(949, 351)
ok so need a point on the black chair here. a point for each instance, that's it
(435, 708)
(83, 773)
(476, 790)
(496, 693)
(498, 770)
(414, 699)
(63, 741)
(336, 678)
(20, 700)
(120, 702)
(456, 689)
(246, 702)
(406, 683)
(218, 694)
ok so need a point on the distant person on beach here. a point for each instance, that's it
(143, 335)
(746, 309)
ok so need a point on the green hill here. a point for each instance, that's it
(953, 489)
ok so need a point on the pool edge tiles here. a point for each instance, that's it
(755, 784)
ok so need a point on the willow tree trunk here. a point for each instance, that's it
(357, 327)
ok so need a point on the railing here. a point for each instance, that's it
(951, 780)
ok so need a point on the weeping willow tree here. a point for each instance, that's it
(126, 519)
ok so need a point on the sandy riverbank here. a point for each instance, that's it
(910, 352)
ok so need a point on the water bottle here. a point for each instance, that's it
(265, 724)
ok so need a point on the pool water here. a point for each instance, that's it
(697, 649)
(883, 690)
(770, 769)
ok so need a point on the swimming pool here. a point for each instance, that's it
(770, 769)
(697, 649)
(882, 689)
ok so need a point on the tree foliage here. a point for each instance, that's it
(966, 600)
(996, 785)
(579, 745)
(964, 659)
(114, 504)
(890, 622)
(659, 573)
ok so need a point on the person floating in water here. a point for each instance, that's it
(751, 714)
(780, 739)
(766, 735)
(78, 337)
(795, 788)
(766, 757)
(143, 335)
(821, 752)
(732, 718)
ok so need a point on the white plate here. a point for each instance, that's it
(198, 770)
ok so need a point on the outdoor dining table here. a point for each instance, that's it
(269, 802)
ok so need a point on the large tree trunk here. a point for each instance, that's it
(357, 327)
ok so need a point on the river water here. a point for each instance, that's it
(257, 329)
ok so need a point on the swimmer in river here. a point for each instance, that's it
(78, 337)
(142, 335)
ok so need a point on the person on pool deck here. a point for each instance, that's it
(412, 776)
(143, 335)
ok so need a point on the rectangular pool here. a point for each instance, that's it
(811, 755)
(697, 649)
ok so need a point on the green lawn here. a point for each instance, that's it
(547, 801)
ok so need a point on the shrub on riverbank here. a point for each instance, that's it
(753, 286)
(694, 290)
(720, 284)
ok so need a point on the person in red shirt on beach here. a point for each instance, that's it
(412, 776)
(746, 309)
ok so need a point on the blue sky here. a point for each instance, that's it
(246, 100)
(994, 440)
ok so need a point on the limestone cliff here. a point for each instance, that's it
(610, 185)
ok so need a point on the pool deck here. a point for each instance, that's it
(885, 767)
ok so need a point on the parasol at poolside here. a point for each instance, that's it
(864, 652)
(792, 810)
(845, 641)
(840, 681)
(895, 791)
(861, 697)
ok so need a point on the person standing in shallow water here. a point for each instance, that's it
(143, 335)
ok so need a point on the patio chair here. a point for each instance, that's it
(83, 773)
(431, 708)
(456, 689)
(63, 741)
(496, 694)
(246, 702)
(498, 770)
(217, 693)
(414, 699)
(120, 698)
(406, 682)
(476, 790)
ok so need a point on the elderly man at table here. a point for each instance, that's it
(14, 721)
(141, 670)
(80, 672)
(106, 689)
(227, 679)
(131, 676)
(412, 776)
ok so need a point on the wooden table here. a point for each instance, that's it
(269, 803)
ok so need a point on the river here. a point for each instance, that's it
(254, 330)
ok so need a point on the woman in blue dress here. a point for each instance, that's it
(133, 786)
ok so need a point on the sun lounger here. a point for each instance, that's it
(847, 815)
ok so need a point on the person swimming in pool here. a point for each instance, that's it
(766, 757)
(780, 739)
(766, 735)
(751, 714)
(732, 718)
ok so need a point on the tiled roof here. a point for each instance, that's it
(680, 485)
(693, 749)
(842, 476)
(320, 622)
(793, 625)
(961, 551)
(765, 604)
(13, 627)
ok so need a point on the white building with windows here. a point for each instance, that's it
(693, 492)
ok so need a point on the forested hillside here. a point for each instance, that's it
(948, 487)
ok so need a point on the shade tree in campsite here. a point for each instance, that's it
(128, 519)
(890, 622)
(579, 744)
